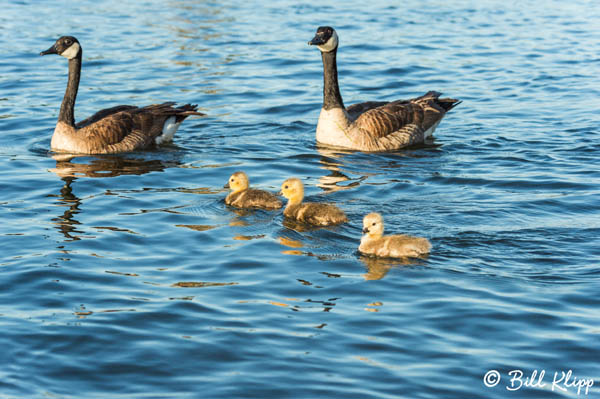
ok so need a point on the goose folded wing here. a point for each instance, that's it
(123, 131)
(396, 124)
(355, 110)
(103, 114)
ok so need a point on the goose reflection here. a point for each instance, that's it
(106, 166)
(66, 223)
(94, 167)
(331, 161)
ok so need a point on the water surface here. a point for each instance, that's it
(127, 276)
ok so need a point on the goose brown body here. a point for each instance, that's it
(375, 243)
(244, 197)
(317, 214)
(112, 130)
(373, 125)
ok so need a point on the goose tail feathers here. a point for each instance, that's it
(446, 103)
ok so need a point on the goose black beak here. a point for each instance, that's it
(317, 40)
(366, 230)
(51, 50)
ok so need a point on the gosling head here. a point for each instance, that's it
(326, 39)
(237, 182)
(67, 46)
(293, 190)
(373, 225)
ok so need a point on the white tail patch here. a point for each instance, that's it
(169, 129)
(429, 132)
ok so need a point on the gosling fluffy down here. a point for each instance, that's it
(243, 197)
(373, 241)
(309, 212)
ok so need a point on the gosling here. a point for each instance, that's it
(373, 242)
(309, 212)
(243, 197)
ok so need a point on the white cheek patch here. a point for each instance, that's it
(71, 52)
(331, 44)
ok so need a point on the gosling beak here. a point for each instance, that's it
(317, 40)
(51, 50)
(226, 185)
(280, 193)
(366, 230)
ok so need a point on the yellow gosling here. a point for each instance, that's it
(309, 212)
(373, 241)
(243, 197)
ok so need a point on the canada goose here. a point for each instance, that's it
(243, 197)
(117, 129)
(308, 212)
(373, 125)
(373, 242)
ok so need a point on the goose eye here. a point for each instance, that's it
(68, 42)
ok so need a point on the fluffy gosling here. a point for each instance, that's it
(243, 197)
(373, 242)
(309, 212)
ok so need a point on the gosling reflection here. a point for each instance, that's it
(377, 268)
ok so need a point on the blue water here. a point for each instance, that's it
(126, 276)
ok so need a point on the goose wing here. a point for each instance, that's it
(355, 110)
(103, 114)
(129, 128)
(400, 123)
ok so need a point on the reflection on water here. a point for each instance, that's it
(377, 268)
(94, 167)
(331, 161)
(106, 166)
(66, 223)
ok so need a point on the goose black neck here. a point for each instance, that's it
(67, 108)
(331, 90)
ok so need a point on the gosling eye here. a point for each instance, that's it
(374, 223)
(286, 187)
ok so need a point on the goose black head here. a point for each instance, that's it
(67, 46)
(326, 39)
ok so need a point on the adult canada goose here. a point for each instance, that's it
(373, 242)
(243, 197)
(309, 212)
(117, 129)
(373, 125)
